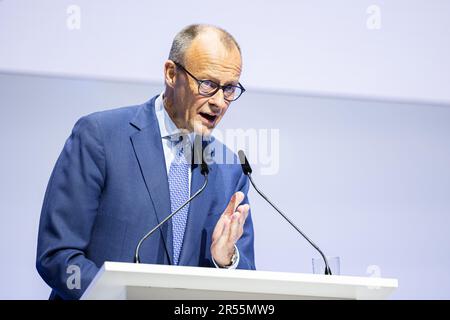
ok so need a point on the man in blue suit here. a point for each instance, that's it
(123, 171)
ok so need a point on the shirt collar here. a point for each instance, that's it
(167, 127)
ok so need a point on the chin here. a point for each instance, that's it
(203, 130)
(206, 132)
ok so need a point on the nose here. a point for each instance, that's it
(218, 100)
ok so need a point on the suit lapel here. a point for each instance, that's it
(148, 148)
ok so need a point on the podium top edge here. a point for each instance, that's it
(252, 274)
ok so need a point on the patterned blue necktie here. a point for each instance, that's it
(179, 194)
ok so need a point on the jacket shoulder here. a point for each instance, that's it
(113, 117)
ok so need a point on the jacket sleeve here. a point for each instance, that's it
(69, 211)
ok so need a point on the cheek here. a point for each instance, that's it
(185, 95)
(195, 105)
(224, 110)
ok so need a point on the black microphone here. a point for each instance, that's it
(248, 172)
(198, 154)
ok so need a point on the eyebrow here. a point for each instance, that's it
(214, 79)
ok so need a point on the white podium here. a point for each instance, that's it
(117, 280)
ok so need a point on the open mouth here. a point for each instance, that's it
(209, 117)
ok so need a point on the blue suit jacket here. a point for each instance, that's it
(109, 187)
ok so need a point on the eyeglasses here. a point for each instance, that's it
(208, 88)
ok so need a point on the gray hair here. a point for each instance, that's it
(184, 38)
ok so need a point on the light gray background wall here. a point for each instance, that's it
(369, 181)
(320, 46)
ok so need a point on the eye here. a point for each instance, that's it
(229, 90)
(208, 85)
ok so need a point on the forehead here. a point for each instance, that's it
(209, 56)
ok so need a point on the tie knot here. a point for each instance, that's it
(181, 149)
(176, 138)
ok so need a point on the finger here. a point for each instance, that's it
(235, 201)
(235, 227)
(226, 229)
(244, 210)
(223, 238)
(218, 229)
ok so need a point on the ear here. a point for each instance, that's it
(169, 73)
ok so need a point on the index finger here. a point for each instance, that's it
(235, 201)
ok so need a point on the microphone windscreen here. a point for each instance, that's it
(198, 155)
(244, 163)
